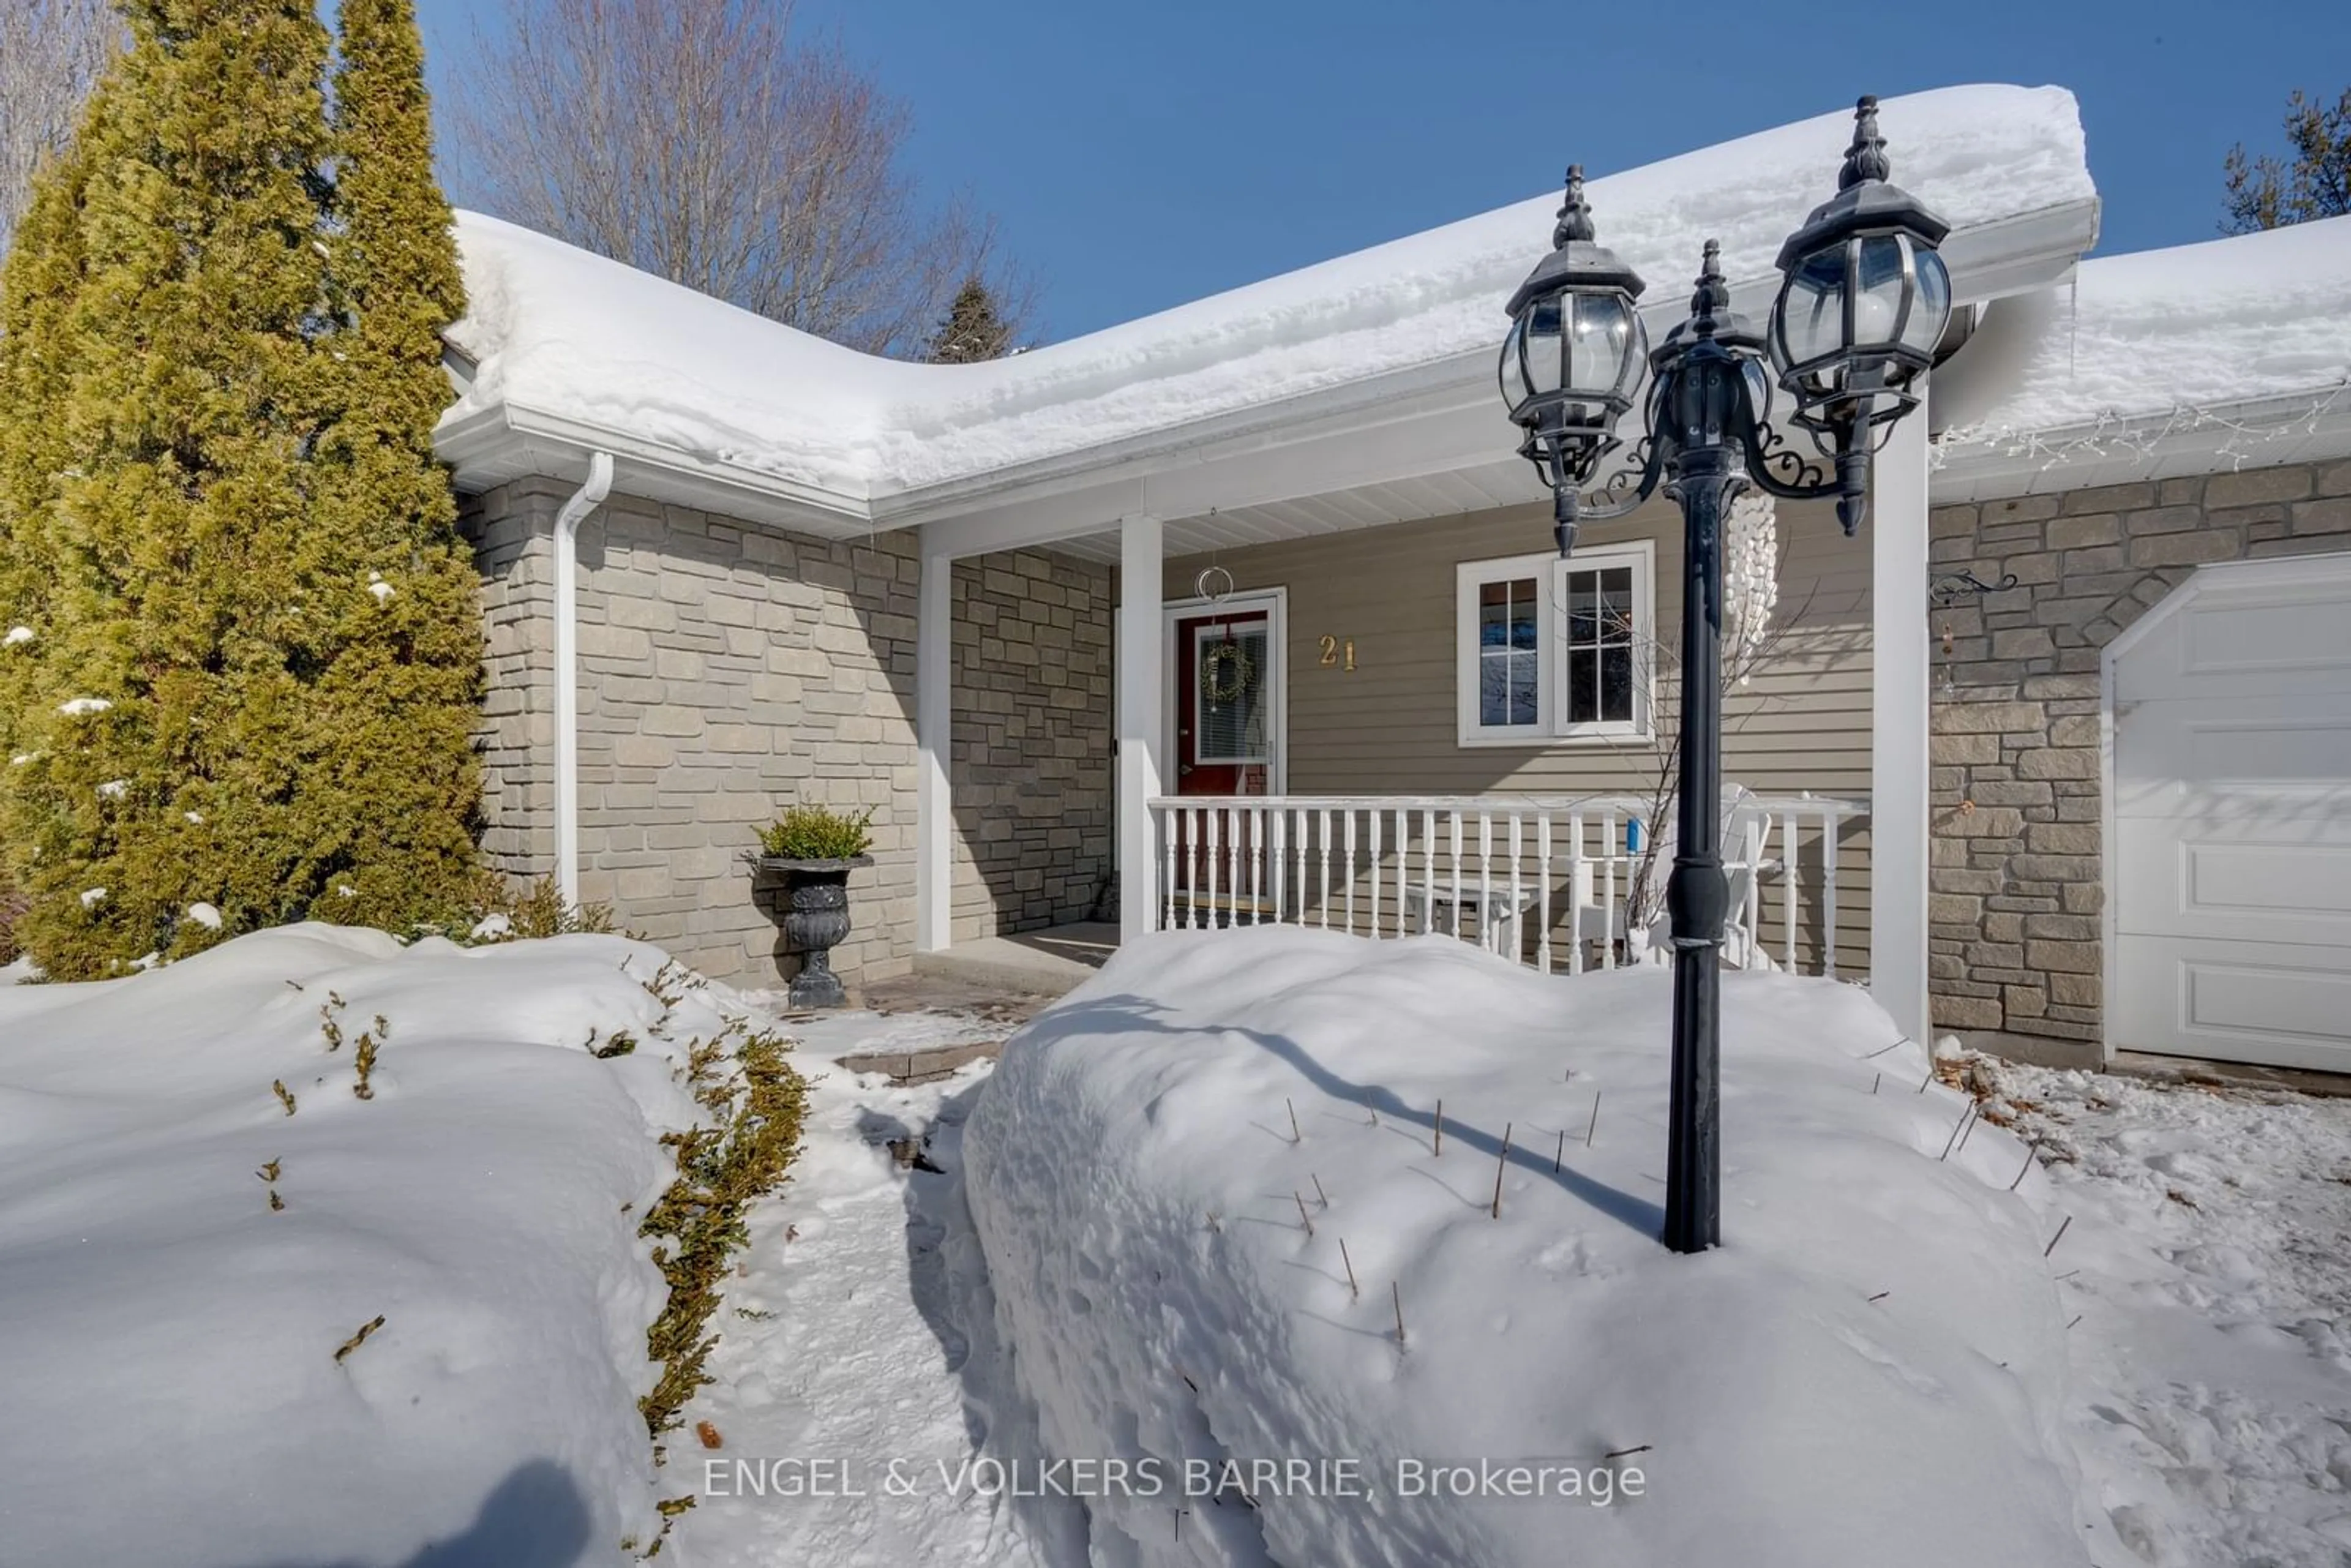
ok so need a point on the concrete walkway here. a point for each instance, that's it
(1049, 962)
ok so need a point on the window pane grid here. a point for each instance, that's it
(1600, 638)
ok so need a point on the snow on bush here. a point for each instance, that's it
(170, 1333)
(1868, 1372)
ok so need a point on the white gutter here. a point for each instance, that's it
(584, 500)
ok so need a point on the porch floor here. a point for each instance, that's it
(1047, 962)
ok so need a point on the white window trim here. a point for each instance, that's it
(1551, 727)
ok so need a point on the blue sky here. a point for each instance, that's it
(1142, 155)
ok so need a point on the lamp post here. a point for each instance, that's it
(1863, 303)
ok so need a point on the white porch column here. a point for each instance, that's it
(1897, 702)
(933, 722)
(1142, 647)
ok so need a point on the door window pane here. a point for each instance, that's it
(1230, 670)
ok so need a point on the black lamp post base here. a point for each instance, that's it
(1698, 899)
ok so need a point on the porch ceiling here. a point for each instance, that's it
(1450, 493)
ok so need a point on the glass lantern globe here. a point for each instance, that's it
(1864, 298)
(1574, 350)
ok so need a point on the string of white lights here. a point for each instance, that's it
(1750, 579)
(2140, 436)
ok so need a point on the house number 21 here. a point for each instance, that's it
(1333, 651)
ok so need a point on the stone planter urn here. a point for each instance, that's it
(811, 900)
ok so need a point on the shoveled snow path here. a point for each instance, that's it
(2209, 1258)
(859, 1362)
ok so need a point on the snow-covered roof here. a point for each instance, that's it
(2162, 335)
(565, 341)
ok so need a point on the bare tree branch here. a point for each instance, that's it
(705, 140)
(51, 53)
(2267, 192)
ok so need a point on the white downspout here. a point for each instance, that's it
(584, 500)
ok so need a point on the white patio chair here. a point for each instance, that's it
(1745, 831)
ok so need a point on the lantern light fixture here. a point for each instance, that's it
(1863, 304)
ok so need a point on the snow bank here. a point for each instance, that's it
(1869, 1371)
(168, 1339)
(564, 333)
(2195, 327)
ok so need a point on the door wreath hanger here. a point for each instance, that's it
(1226, 670)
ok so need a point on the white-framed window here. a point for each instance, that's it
(1553, 650)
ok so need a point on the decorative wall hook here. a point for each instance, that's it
(1949, 590)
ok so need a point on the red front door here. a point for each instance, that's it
(1224, 718)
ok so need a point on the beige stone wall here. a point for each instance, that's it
(1033, 726)
(726, 671)
(2018, 878)
(511, 530)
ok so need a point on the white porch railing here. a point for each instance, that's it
(1542, 880)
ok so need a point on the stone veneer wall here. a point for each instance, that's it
(511, 529)
(2017, 882)
(1031, 753)
(726, 671)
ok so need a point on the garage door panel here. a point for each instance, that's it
(2306, 883)
(2168, 752)
(2265, 634)
(2252, 880)
(2248, 637)
(2283, 1005)
(2229, 875)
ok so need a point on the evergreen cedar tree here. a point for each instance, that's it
(253, 659)
(973, 329)
(2265, 193)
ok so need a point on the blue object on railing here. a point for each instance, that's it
(1632, 835)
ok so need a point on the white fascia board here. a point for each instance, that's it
(495, 445)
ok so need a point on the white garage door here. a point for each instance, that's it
(2231, 877)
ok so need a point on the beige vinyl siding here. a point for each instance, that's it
(1390, 726)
